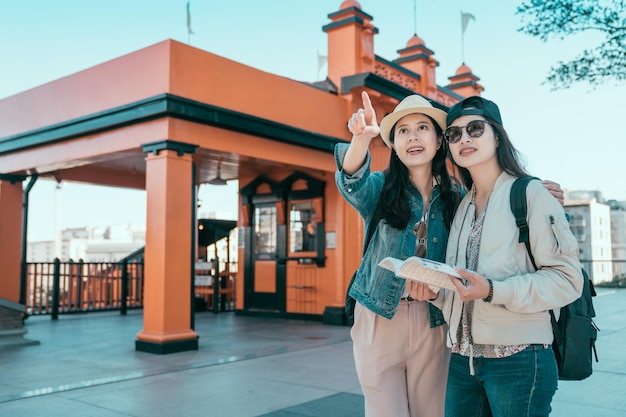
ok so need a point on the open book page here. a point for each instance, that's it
(433, 273)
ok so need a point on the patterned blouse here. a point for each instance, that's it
(464, 336)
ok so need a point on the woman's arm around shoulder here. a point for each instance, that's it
(558, 279)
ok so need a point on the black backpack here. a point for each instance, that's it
(575, 332)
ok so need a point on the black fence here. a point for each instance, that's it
(54, 288)
(72, 287)
(76, 287)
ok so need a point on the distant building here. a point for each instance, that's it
(590, 222)
(91, 245)
(75, 233)
(72, 243)
(585, 195)
(109, 251)
(40, 251)
(223, 215)
(618, 237)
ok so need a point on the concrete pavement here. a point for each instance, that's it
(86, 365)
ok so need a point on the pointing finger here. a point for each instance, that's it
(370, 113)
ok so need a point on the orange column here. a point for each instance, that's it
(10, 238)
(168, 253)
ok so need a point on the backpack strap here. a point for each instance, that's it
(520, 212)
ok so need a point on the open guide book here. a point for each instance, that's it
(433, 273)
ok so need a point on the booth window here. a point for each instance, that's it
(302, 227)
(265, 232)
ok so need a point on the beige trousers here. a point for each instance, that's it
(402, 363)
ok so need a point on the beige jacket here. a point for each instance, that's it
(522, 297)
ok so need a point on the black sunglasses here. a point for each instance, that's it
(475, 129)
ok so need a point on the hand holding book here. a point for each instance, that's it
(434, 274)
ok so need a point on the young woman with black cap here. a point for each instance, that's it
(499, 323)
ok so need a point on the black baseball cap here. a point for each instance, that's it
(475, 105)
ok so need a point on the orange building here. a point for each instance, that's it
(165, 118)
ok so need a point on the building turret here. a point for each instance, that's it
(350, 42)
(418, 58)
(465, 83)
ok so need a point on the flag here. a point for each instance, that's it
(465, 19)
(189, 31)
(321, 61)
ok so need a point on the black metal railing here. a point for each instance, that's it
(606, 273)
(72, 287)
(54, 288)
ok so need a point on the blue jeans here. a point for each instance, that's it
(521, 385)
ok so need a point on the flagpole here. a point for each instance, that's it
(189, 31)
(415, 17)
(462, 39)
(465, 19)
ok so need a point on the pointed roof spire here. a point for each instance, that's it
(349, 3)
(415, 41)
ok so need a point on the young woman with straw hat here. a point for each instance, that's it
(399, 345)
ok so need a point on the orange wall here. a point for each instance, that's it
(140, 74)
(10, 240)
(179, 69)
(209, 78)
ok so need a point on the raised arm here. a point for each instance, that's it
(364, 127)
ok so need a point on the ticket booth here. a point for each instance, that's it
(283, 244)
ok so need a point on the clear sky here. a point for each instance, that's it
(572, 136)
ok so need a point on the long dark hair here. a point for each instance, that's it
(395, 207)
(506, 154)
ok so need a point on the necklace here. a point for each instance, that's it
(481, 203)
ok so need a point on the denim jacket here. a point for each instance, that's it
(375, 287)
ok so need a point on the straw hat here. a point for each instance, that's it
(411, 104)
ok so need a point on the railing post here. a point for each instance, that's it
(70, 285)
(139, 280)
(56, 281)
(79, 284)
(124, 284)
(216, 285)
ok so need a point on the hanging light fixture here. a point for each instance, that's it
(218, 180)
